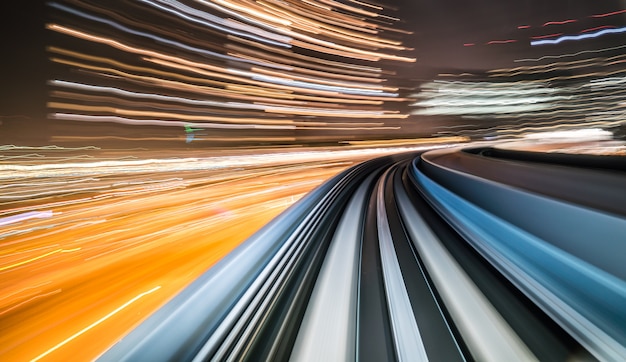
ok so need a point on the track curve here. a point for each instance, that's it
(449, 255)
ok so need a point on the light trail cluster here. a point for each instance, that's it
(92, 241)
(467, 98)
(228, 69)
(573, 85)
(554, 32)
(585, 93)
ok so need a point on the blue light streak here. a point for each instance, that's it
(578, 37)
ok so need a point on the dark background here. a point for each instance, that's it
(24, 70)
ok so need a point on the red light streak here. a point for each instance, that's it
(597, 28)
(546, 36)
(560, 22)
(608, 14)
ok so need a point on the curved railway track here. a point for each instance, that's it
(477, 254)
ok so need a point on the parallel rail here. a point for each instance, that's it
(479, 254)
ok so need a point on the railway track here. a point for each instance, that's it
(449, 255)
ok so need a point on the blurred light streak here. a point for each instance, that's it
(597, 28)
(350, 8)
(579, 37)
(363, 3)
(245, 124)
(290, 76)
(15, 265)
(402, 142)
(319, 63)
(47, 148)
(264, 80)
(562, 22)
(160, 39)
(279, 40)
(609, 14)
(508, 41)
(546, 36)
(255, 13)
(466, 98)
(569, 55)
(25, 216)
(61, 344)
(314, 43)
(31, 299)
(597, 68)
(585, 134)
(150, 165)
(336, 19)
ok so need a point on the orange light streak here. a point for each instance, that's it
(96, 323)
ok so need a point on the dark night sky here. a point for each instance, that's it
(443, 26)
(23, 70)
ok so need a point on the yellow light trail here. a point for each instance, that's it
(94, 324)
(11, 266)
